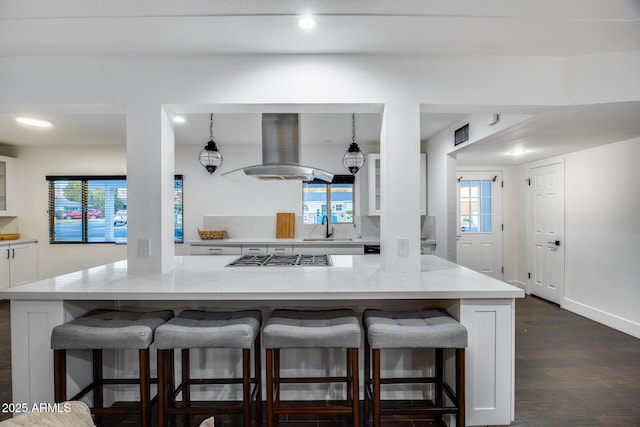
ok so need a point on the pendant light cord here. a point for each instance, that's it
(211, 128)
(353, 127)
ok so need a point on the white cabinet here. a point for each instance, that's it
(254, 249)
(279, 249)
(216, 250)
(323, 249)
(18, 264)
(373, 165)
(8, 182)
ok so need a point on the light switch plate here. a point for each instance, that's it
(403, 247)
(144, 248)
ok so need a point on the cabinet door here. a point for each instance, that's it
(373, 161)
(344, 249)
(5, 258)
(215, 250)
(279, 249)
(254, 249)
(8, 193)
(23, 263)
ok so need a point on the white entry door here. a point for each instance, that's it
(479, 235)
(547, 228)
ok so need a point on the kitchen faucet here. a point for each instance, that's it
(327, 234)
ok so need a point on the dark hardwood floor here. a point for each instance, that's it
(570, 371)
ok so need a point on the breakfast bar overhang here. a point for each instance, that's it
(485, 306)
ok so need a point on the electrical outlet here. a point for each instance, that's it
(144, 248)
(403, 247)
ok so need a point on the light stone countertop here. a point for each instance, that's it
(231, 241)
(17, 241)
(352, 277)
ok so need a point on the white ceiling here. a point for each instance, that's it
(505, 27)
(525, 27)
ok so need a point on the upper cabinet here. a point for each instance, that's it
(8, 182)
(373, 165)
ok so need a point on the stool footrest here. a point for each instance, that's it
(329, 409)
(196, 409)
(310, 380)
(407, 380)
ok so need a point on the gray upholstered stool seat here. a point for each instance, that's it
(428, 329)
(197, 329)
(414, 329)
(107, 329)
(210, 329)
(315, 329)
(287, 329)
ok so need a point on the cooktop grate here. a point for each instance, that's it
(282, 261)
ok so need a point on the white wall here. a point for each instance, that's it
(38, 162)
(602, 255)
(239, 195)
(146, 82)
(204, 194)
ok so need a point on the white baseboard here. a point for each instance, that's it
(518, 284)
(616, 322)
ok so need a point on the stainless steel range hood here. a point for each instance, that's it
(281, 152)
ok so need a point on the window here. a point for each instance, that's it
(317, 195)
(93, 209)
(475, 206)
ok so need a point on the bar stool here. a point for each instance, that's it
(107, 329)
(208, 329)
(312, 329)
(409, 330)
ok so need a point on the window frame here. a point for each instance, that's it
(337, 179)
(85, 179)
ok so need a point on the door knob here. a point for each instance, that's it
(557, 243)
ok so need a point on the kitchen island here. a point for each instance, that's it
(485, 306)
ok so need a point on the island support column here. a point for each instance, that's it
(400, 188)
(150, 177)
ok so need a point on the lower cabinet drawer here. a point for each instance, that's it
(254, 250)
(215, 250)
(280, 249)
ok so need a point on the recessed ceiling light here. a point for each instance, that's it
(518, 152)
(179, 119)
(306, 22)
(33, 121)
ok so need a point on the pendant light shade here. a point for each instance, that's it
(353, 159)
(210, 157)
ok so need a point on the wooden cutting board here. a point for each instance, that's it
(285, 225)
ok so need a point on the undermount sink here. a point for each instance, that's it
(327, 239)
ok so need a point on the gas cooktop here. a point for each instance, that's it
(281, 261)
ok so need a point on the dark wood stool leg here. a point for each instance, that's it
(246, 386)
(349, 376)
(163, 382)
(276, 376)
(60, 375)
(269, 368)
(186, 382)
(98, 397)
(257, 357)
(376, 387)
(439, 374)
(460, 391)
(367, 377)
(355, 386)
(145, 388)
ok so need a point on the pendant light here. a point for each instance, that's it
(353, 159)
(210, 157)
